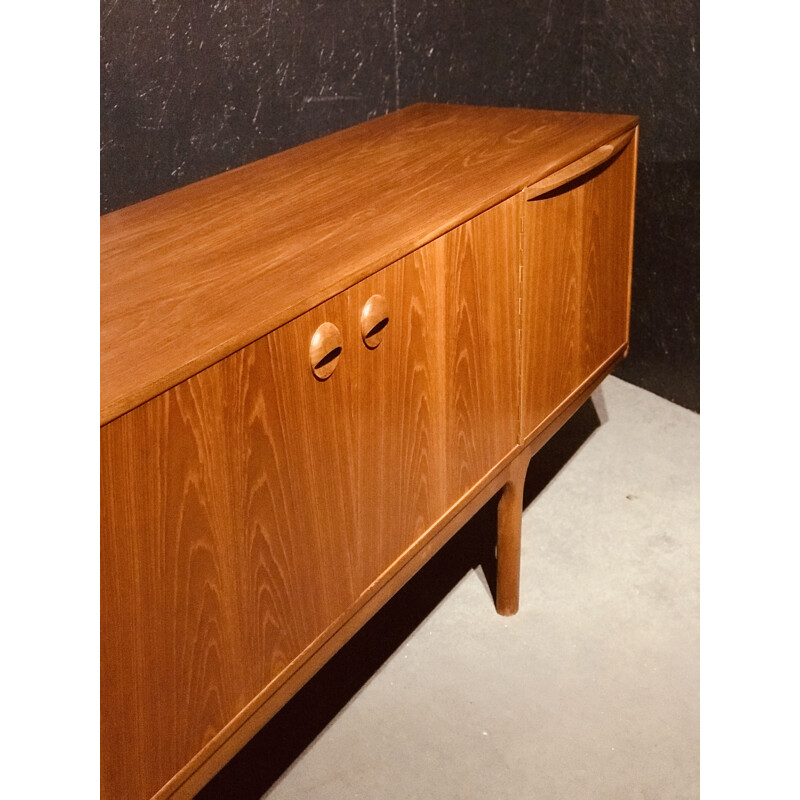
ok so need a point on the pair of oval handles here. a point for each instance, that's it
(326, 343)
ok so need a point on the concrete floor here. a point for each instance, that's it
(591, 691)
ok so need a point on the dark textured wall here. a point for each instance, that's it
(192, 89)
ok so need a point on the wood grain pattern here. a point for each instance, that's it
(205, 765)
(193, 275)
(576, 283)
(252, 514)
(221, 519)
(169, 631)
(482, 318)
(250, 507)
(477, 268)
(400, 452)
(438, 400)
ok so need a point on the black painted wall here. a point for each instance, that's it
(192, 89)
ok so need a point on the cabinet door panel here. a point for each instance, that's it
(401, 416)
(575, 284)
(170, 637)
(438, 398)
(297, 446)
(227, 504)
(480, 264)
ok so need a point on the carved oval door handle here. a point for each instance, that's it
(374, 319)
(325, 349)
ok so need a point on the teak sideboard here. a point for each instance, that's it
(314, 369)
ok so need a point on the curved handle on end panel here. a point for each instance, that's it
(580, 167)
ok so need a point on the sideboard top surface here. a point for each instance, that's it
(192, 275)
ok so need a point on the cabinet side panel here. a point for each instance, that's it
(480, 265)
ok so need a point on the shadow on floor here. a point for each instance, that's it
(262, 761)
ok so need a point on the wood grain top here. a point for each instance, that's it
(193, 275)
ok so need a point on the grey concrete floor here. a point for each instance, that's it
(590, 691)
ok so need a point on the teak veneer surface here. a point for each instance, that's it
(468, 272)
(576, 295)
(248, 507)
(193, 275)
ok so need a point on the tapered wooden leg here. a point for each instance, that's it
(509, 538)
